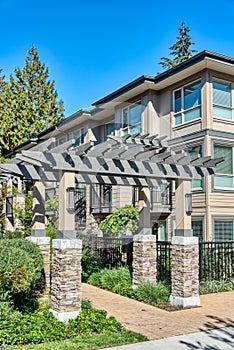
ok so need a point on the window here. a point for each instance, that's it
(187, 103)
(195, 151)
(109, 129)
(223, 230)
(78, 136)
(197, 226)
(131, 119)
(224, 170)
(222, 100)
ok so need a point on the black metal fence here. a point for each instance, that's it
(216, 260)
(112, 251)
(164, 261)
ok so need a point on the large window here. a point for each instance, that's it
(224, 170)
(79, 137)
(223, 230)
(187, 103)
(197, 226)
(195, 151)
(131, 119)
(110, 129)
(222, 100)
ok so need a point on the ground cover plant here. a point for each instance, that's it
(118, 280)
(216, 286)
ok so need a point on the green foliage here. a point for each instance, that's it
(90, 263)
(25, 214)
(94, 341)
(118, 280)
(121, 220)
(180, 50)
(38, 327)
(21, 264)
(93, 321)
(153, 293)
(51, 228)
(216, 286)
(28, 103)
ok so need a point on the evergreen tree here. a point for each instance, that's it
(28, 103)
(181, 50)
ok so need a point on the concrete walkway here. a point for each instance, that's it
(216, 339)
(216, 311)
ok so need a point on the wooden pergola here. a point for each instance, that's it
(131, 160)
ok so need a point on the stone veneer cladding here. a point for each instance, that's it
(66, 276)
(185, 269)
(144, 259)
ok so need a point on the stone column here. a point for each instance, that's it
(185, 272)
(38, 222)
(144, 211)
(44, 244)
(66, 226)
(185, 254)
(66, 278)
(144, 259)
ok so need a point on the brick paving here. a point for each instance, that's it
(216, 311)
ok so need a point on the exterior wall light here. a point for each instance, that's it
(70, 199)
(188, 203)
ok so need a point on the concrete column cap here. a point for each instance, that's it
(63, 244)
(39, 240)
(181, 240)
(144, 238)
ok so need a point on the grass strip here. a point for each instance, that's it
(86, 342)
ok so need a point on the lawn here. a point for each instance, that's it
(86, 342)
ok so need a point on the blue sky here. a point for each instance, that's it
(94, 47)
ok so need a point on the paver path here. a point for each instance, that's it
(216, 311)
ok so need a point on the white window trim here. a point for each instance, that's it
(182, 111)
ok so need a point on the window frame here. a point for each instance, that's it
(222, 219)
(182, 110)
(231, 107)
(126, 128)
(220, 175)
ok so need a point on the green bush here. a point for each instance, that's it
(33, 252)
(90, 264)
(216, 286)
(93, 321)
(121, 220)
(38, 327)
(118, 280)
(153, 293)
(21, 264)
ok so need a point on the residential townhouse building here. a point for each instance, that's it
(191, 106)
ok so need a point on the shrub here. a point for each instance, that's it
(33, 252)
(21, 264)
(90, 264)
(38, 327)
(121, 220)
(153, 293)
(216, 286)
(91, 321)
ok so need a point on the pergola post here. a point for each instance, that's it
(144, 211)
(38, 222)
(66, 226)
(185, 252)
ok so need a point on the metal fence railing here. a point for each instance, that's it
(216, 260)
(164, 261)
(111, 251)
